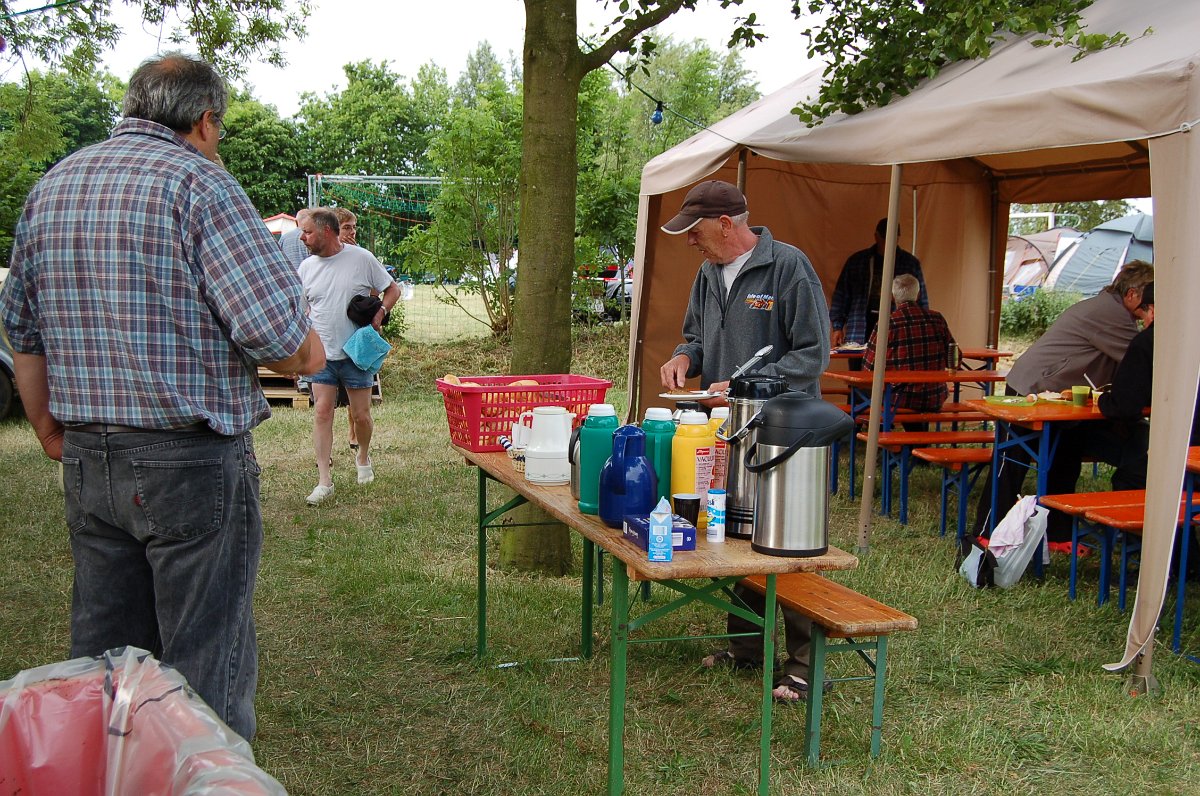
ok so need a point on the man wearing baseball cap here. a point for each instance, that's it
(751, 290)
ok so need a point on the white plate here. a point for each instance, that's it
(851, 347)
(688, 396)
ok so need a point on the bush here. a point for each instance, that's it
(1032, 316)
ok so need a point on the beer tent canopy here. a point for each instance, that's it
(970, 142)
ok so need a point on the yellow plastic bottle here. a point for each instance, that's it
(720, 448)
(693, 450)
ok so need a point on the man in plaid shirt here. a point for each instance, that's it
(917, 340)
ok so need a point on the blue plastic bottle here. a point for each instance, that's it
(595, 446)
(660, 430)
(627, 482)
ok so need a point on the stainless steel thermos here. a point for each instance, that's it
(747, 394)
(791, 458)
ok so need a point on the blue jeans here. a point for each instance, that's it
(166, 534)
(345, 373)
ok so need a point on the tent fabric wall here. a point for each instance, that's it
(969, 149)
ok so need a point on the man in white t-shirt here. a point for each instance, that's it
(332, 276)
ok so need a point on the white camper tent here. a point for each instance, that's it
(961, 149)
(1093, 262)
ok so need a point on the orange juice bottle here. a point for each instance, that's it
(693, 449)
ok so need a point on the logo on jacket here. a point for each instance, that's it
(760, 301)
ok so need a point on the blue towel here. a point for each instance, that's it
(367, 349)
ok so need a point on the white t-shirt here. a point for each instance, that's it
(330, 283)
(729, 271)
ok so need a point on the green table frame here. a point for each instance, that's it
(726, 565)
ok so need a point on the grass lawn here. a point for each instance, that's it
(432, 321)
(366, 621)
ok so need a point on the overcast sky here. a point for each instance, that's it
(409, 33)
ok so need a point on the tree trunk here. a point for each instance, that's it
(542, 315)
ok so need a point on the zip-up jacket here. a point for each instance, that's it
(777, 299)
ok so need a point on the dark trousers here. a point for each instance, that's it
(797, 635)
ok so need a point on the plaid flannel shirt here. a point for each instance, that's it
(917, 340)
(147, 279)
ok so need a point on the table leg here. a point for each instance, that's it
(616, 685)
(764, 744)
(481, 571)
(585, 630)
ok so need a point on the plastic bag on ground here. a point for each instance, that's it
(119, 724)
(1011, 547)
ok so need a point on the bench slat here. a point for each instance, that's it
(923, 438)
(843, 612)
(954, 456)
(1079, 502)
(1126, 518)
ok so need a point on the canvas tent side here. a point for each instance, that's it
(1092, 263)
(1123, 121)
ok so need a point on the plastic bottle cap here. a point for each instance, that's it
(602, 410)
(691, 418)
(658, 413)
(720, 412)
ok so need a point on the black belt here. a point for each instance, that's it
(117, 428)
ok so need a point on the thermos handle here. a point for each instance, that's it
(571, 445)
(618, 462)
(741, 432)
(787, 454)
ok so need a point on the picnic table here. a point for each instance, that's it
(721, 565)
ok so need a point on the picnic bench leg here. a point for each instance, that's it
(1108, 542)
(1181, 576)
(599, 576)
(816, 693)
(585, 619)
(877, 709)
(964, 494)
(764, 742)
(481, 570)
(905, 465)
(616, 686)
(1074, 557)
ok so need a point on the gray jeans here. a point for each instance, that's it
(166, 534)
(749, 649)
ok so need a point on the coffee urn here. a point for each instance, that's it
(791, 457)
(747, 394)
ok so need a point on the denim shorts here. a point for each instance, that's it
(345, 373)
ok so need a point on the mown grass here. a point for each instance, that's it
(366, 620)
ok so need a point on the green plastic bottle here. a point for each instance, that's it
(595, 447)
(660, 430)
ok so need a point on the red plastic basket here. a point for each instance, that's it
(479, 416)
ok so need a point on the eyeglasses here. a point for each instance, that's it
(220, 125)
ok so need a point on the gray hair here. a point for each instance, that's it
(324, 217)
(175, 90)
(905, 288)
(740, 219)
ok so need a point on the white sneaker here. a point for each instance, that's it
(366, 472)
(319, 494)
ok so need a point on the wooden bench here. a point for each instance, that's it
(899, 445)
(1126, 522)
(960, 467)
(837, 612)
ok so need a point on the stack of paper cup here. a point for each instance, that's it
(715, 532)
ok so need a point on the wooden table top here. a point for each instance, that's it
(983, 354)
(863, 378)
(733, 557)
(1033, 415)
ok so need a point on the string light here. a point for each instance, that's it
(657, 116)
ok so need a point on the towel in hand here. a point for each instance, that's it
(367, 349)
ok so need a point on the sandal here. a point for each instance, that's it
(724, 658)
(791, 688)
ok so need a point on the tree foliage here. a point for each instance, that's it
(1080, 215)
(266, 156)
(229, 33)
(880, 49)
(472, 239)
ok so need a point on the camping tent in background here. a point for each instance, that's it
(1027, 258)
(1091, 264)
(951, 156)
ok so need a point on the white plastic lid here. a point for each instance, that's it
(602, 410)
(693, 418)
(720, 412)
(658, 413)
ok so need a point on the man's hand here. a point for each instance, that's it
(836, 337)
(674, 373)
(719, 388)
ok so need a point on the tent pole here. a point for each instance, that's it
(1143, 682)
(881, 344)
(741, 173)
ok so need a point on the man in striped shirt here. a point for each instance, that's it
(144, 292)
